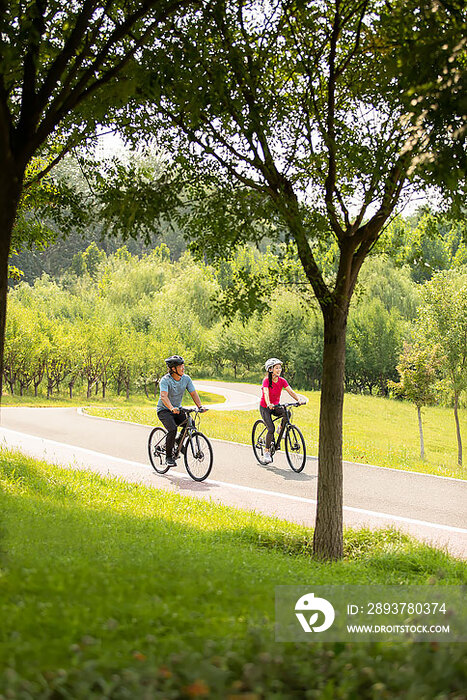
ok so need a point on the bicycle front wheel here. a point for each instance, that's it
(156, 449)
(295, 449)
(258, 440)
(198, 456)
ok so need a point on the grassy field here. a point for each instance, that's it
(377, 431)
(135, 400)
(114, 590)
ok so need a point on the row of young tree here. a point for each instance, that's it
(111, 321)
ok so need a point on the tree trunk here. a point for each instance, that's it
(458, 430)
(11, 180)
(328, 540)
(420, 430)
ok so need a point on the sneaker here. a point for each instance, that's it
(267, 459)
(170, 462)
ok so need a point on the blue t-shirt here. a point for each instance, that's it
(174, 389)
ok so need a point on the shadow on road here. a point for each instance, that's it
(185, 483)
(287, 474)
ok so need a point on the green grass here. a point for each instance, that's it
(114, 590)
(111, 400)
(377, 431)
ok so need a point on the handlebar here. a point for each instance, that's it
(293, 403)
(194, 410)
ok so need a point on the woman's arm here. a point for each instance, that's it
(292, 393)
(266, 397)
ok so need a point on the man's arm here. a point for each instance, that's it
(167, 403)
(195, 396)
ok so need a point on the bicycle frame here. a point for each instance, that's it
(285, 422)
(189, 425)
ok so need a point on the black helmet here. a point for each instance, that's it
(174, 361)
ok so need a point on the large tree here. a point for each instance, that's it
(64, 71)
(295, 111)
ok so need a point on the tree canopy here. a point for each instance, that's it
(297, 113)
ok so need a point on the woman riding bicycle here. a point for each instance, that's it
(272, 387)
(169, 411)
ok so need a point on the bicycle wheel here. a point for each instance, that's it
(198, 456)
(295, 449)
(156, 449)
(258, 440)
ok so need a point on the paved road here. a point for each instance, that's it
(431, 508)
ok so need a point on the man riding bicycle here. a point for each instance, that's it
(169, 410)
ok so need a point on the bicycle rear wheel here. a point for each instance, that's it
(156, 449)
(258, 441)
(198, 456)
(295, 449)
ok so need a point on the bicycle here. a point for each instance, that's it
(295, 449)
(190, 442)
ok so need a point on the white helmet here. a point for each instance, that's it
(271, 362)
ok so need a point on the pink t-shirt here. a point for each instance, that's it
(274, 391)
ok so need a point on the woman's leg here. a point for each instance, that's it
(266, 416)
(281, 412)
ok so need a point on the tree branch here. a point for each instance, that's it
(362, 10)
(368, 235)
(330, 136)
(85, 53)
(27, 118)
(69, 50)
(62, 105)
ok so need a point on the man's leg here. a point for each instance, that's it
(168, 420)
(182, 418)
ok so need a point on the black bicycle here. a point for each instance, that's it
(190, 442)
(295, 449)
